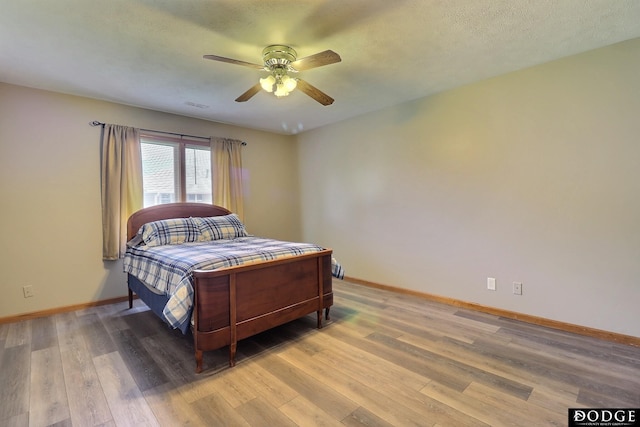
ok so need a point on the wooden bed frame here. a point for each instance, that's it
(235, 303)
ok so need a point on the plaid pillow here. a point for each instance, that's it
(220, 227)
(169, 232)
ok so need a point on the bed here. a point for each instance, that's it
(222, 299)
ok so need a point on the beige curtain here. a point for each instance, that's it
(226, 164)
(121, 169)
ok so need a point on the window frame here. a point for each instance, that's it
(179, 144)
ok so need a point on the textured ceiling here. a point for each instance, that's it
(148, 53)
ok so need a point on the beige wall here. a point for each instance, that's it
(50, 220)
(531, 177)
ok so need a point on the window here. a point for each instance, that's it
(175, 170)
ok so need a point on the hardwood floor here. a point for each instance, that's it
(384, 359)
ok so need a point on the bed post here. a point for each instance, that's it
(232, 320)
(198, 361)
(194, 329)
(319, 263)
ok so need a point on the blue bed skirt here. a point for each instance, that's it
(155, 302)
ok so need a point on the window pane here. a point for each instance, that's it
(197, 164)
(159, 165)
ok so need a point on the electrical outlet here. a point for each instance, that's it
(491, 283)
(517, 288)
(27, 291)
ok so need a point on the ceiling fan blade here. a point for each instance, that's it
(249, 94)
(233, 61)
(314, 93)
(318, 60)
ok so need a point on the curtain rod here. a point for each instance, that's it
(97, 123)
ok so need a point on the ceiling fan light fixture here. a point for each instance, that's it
(267, 83)
(279, 83)
(280, 91)
(289, 83)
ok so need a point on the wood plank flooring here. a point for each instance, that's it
(384, 359)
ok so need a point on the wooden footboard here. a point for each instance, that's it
(235, 303)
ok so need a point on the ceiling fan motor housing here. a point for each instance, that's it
(278, 56)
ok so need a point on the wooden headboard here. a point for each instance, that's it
(171, 210)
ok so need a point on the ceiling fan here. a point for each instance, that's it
(279, 61)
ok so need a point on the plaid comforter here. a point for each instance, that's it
(168, 268)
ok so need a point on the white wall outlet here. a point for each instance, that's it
(491, 283)
(517, 288)
(27, 291)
